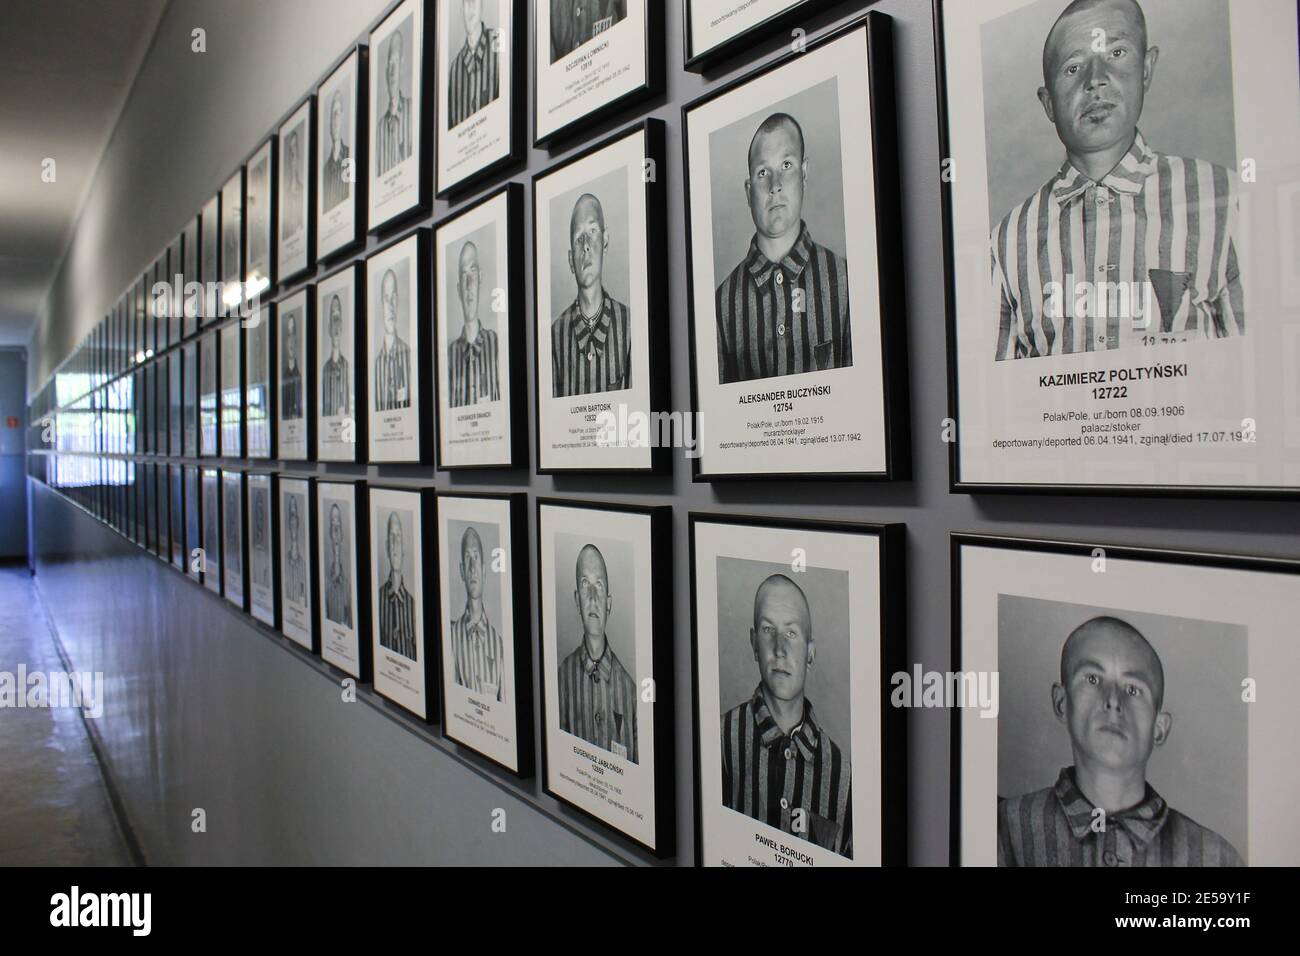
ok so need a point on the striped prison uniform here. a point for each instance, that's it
(334, 186)
(1054, 827)
(393, 377)
(295, 578)
(335, 387)
(784, 318)
(338, 595)
(397, 619)
(472, 369)
(393, 134)
(598, 700)
(575, 22)
(475, 79)
(768, 775)
(591, 355)
(479, 655)
(1154, 242)
(291, 393)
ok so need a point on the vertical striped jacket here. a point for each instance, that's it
(393, 135)
(784, 318)
(472, 369)
(397, 619)
(479, 655)
(338, 594)
(335, 388)
(393, 377)
(598, 700)
(1147, 256)
(575, 22)
(295, 578)
(769, 776)
(591, 356)
(335, 188)
(475, 78)
(1055, 827)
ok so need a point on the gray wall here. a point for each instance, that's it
(241, 724)
(13, 467)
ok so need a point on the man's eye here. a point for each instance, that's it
(1118, 52)
(1134, 690)
(1093, 679)
(1071, 69)
(787, 164)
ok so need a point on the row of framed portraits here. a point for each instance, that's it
(1083, 676)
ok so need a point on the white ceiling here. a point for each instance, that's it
(66, 67)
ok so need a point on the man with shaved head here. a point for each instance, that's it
(1151, 236)
(394, 136)
(476, 646)
(474, 79)
(598, 697)
(338, 586)
(472, 355)
(393, 363)
(778, 764)
(784, 309)
(591, 344)
(1101, 811)
(336, 174)
(396, 605)
(336, 379)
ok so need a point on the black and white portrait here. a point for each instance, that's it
(1108, 707)
(292, 391)
(175, 400)
(403, 669)
(232, 236)
(176, 502)
(337, 514)
(294, 191)
(258, 382)
(474, 71)
(594, 332)
(210, 515)
(261, 549)
(232, 391)
(260, 204)
(396, 280)
(789, 669)
(336, 339)
(477, 649)
(473, 368)
(190, 399)
(598, 663)
(1110, 151)
(297, 617)
(194, 495)
(210, 236)
(339, 164)
(396, 113)
(189, 311)
(785, 266)
(232, 536)
(209, 387)
(573, 25)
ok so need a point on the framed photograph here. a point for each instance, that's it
(295, 191)
(1124, 728)
(341, 350)
(342, 172)
(210, 237)
(162, 405)
(143, 330)
(176, 499)
(190, 400)
(797, 314)
(482, 62)
(344, 563)
(401, 618)
(175, 402)
(232, 240)
(487, 684)
(234, 552)
(189, 307)
(797, 629)
(398, 352)
(294, 379)
(602, 359)
(141, 485)
(298, 549)
(209, 396)
(152, 509)
(194, 548)
(400, 114)
(606, 659)
(592, 60)
(260, 207)
(717, 30)
(1110, 331)
(479, 334)
(158, 305)
(232, 390)
(175, 279)
(263, 517)
(259, 383)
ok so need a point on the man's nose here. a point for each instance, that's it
(1095, 73)
(1113, 696)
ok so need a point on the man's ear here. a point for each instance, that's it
(1058, 701)
(1149, 67)
(812, 651)
(575, 274)
(753, 643)
(748, 187)
(1164, 723)
(804, 170)
(1045, 98)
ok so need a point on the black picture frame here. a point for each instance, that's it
(263, 286)
(1087, 552)
(176, 498)
(175, 404)
(517, 37)
(190, 399)
(193, 479)
(521, 618)
(239, 600)
(189, 272)
(514, 320)
(360, 154)
(655, 56)
(307, 332)
(799, 11)
(209, 260)
(288, 275)
(212, 573)
(265, 321)
(424, 115)
(428, 530)
(361, 608)
(422, 348)
(360, 363)
(655, 133)
(878, 29)
(175, 279)
(661, 628)
(310, 556)
(893, 658)
(273, 545)
(230, 436)
(232, 207)
(162, 545)
(159, 321)
(210, 339)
